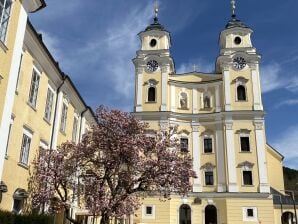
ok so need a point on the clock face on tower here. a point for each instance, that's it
(151, 66)
(239, 63)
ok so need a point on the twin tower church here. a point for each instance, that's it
(221, 124)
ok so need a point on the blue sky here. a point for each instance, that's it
(95, 40)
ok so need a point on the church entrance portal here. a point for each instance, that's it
(210, 215)
(184, 214)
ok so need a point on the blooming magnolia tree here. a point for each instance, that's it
(114, 164)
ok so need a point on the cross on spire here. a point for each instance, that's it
(156, 9)
(233, 3)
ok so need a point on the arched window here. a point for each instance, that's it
(151, 94)
(241, 93)
(210, 214)
(207, 102)
(183, 100)
(184, 214)
(19, 197)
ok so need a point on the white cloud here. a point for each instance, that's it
(201, 66)
(271, 78)
(287, 145)
(52, 42)
(293, 85)
(290, 102)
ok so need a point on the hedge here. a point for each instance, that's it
(10, 218)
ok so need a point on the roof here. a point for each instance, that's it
(279, 198)
(236, 23)
(155, 26)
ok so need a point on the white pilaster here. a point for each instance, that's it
(220, 159)
(164, 88)
(11, 84)
(57, 120)
(197, 186)
(195, 100)
(262, 164)
(230, 145)
(257, 103)
(173, 98)
(227, 88)
(139, 89)
(83, 126)
(217, 99)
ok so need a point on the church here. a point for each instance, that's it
(221, 123)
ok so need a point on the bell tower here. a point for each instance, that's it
(153, 65)
(239, 63)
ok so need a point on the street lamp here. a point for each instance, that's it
(294, 203)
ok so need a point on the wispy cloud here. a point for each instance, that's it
(53, 44)
(201, 65)
(287, 145)
(289, 102)
(271, 78)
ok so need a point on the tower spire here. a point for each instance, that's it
(156, 9)
(233, 3)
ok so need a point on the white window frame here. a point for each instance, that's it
(49, 104)
(33, 98)
(151, 83)
(244, 133)
(185, 135)
(63, 117)
(247, 168)
(205, 184)
(43, 144)
(75, 128)
(25, 149)
(208, 167)
(241, 81)
(187, 100)
(208, 134)
(247, 218)
(148, 216)
(4, 28)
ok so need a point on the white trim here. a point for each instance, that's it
(163, 90)
(173, 98)
(12, 79)
(231, 161)
(250, 219)
(194, 100)
(43, 144)
(256, 91)
(139, 107)
(197, 186)
(244, 134)
(227, 90)
(57, 120)
(148, 216)
(247, 168)
(217, 99)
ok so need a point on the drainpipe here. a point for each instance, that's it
(55, 111)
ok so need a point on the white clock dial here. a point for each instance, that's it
(239, 63)
(152, 66)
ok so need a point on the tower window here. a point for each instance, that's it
(209, 180)
(184, 144)
(237, 40)
(151, 94)
(208, 145)
(241, 93)
(247, 177)
(244, 141)
(153, 43)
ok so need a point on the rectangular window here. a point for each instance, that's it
(149, 210)
(5, 8)
(63, 118)
(209, 180)
(34, 88)
(75, 129)
(184, 144)
(24, 157)
(250, 214)
(49, 105)
(247, 177)
(244, 144)
(208, 145)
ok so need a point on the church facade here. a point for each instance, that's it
(220, 119)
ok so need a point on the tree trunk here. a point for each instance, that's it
(105, 219)
(66, 215)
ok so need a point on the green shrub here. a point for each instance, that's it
(10, 218)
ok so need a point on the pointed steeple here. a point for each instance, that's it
(155, 25)
(234, 22)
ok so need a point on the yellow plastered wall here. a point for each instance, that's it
(6, 55)
(264, 210)
(274, 169)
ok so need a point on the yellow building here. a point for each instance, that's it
(221, 124)
(39, 105)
